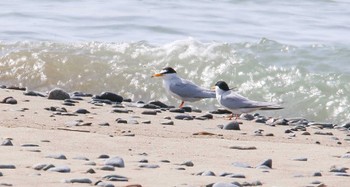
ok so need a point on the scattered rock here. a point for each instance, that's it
(81, 180)
(184, 117)
(58, 94)
(300, 159)
(206, 173)
(324, 133)
(241, 165)
(7, 166)
(107, 168)
(187, 163)
(115, 162)
(267, 163)
(222, 184)
(243, 147)
(149, 166)
(110, 96)
(7, 142)
(60, 169)
(82, 111)
(158, 103)
(245, 116)
(177, 110)
(233, 125)
(167, 122)
(9, 100)
(57, 156)
(115, 178)
(149, 112)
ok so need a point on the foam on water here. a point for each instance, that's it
(309, 81)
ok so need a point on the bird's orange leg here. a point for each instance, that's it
(182, 104)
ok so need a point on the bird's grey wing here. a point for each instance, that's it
(190, 90)
(236, 101)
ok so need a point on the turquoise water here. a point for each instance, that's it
(294, 53)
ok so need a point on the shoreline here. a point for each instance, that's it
(139, 134)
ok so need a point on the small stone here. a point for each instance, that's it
(149, 112)
(58, 94)
(39, 166)
(80, 158)
(121, 121)
(240, 176)
(115, 178)
(146, 122)
(188, 164)
(149, 166)
(338, 169)
(207, 173)
(90, 163)
(47, 167)
(267, 163)
(177, 110)
(269, 134)
(115, 162)
(241, 165)
(234, 125)
(103, 184)
(245, 116)
(184, 117)
(110, 96)
(347, 155)
(60, 169)
(82, 180)
(105, 124)
(187, 109)
(317, 174)
(222, 184)
(120, 111)
(107, 168)
(57, 156)
(243, 147)
(158, 103)
(29, 145)
(167, 122)
(133, 122)
(7, 166)
(143, 161)
(7, 142)
(103, 156)
(91, 171)
(300, 159)
(10, 100)
(82, 111)
(324, 133)
(305, 133)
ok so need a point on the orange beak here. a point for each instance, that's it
(157, 75)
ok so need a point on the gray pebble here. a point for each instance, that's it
(305, 133)
(188, 164)
(5, 184)
(104, 124)
(177, 110)
(115, 178)
(103, 156)
(267, 163)
(300, 159)
(57, 156)
(338, 169)
(7, 166)
(47, 167)
(207, 173)
(146, 122)
(234, 125)
(222, 184)
(9, 100)
(324, 133)
(143, 161)
(1, 175)
(149, 166)
(149, 112)
(103, 184)
(115, 162)
(245, 116)
(133, 122)
(91, 171)
(60, 169)
(39, 166)
(240, 176)
(107, 168)
(347, 155)
(80, 158)
(167, 122)
(121, 120)
(29, 145)
(317, 174)
(81, 180)
(82, 111)
(120, 111)
(158, 103)
(183, 117)
(7, 142)
(58, 94)
(241, 165)
(90, 163)
(243, 147)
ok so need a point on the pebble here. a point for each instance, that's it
(322, 125)
(206, 173)
(146, 122)
(143, 161)
(80, 180)
(81, 158)
(104, 124)
(267, 163)
(1, 174)
(305, 133)
(29, 145)
(184, 117)
(300, 159)
(340, 174)
(113, 177)
(233, 125)
(347, 155)
(167, 122)
(5, 184)
(187, 163)
(120, 111)
(220, 111)
(58, 94)
(338, 169)
(177, 110)
(9, 100)
(47, 167)
(187, 109)
(103, 156)
(245, 116)
(158, 103)
(241, 165)
(150, 106)
(317, 174)
(91, 171)
(133, 121)
(324, 133)
(103, 184)
(149, 166)
(39, 166)
(149, 112)
(60, 169)
(222, 184)
(107, 168)
(109, 96)
(82, 111)
(115, 162)
(7, 166)
(240, 176)
(33, 93)
(121, 121)
(7, 142)
(243, 147)
(90, 163)
(57, 156)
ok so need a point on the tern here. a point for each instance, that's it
(182, 89)
(238, 104)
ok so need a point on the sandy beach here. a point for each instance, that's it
(44, 146)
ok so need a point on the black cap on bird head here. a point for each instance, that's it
(222, 85)
(168, 70)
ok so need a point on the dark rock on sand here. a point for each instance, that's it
(58, 94)
(60, 169)
(57, 156)
(233, 125)
(29, 145)
(187, 163)
(149, 112)
(152, 166)
(324, 133)
(39, 166)
(78, 180)
(12, 87)
(121, 121)
(104, 124)
(115, 178)
(158, 103)
(177, 110)
(338, 169)
(7, 142)
(184, 117)
(300, 159)
(120, 111)
(187, 109)
(110, 96)
(245, 116)
(82, 111)
(243, 147)
(107, 168)
(115, 162)
(206, 173)
(220, 111)
(317, 174)
(267, 163)
(7, 166)
(9, 100)
(81, 158)
(150, 106)
(103, 184)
